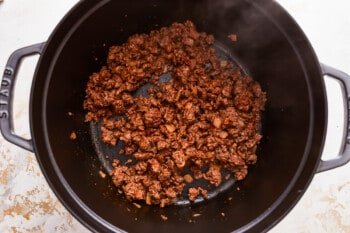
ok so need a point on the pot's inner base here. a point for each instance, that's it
(107, 154)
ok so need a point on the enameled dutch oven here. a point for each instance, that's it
(270, 47)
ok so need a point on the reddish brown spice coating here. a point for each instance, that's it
(205, 116)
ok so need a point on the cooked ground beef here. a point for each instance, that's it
(205, 117)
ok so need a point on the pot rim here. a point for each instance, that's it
(71, 201)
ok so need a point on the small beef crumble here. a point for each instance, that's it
(205, 118)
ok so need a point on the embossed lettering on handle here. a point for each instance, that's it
(6, 95)
(5, 92)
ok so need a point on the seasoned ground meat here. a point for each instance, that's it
(204, 118)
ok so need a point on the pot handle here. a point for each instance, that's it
(344, 155)
(6, 95)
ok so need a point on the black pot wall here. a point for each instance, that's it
(270, 47)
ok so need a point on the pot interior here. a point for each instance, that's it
(270, 47)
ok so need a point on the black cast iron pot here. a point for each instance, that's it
(270, 47)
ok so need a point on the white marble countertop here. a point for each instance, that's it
(27, 203)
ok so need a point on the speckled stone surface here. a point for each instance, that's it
(28, 205)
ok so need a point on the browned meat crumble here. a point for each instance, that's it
(206, 116)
